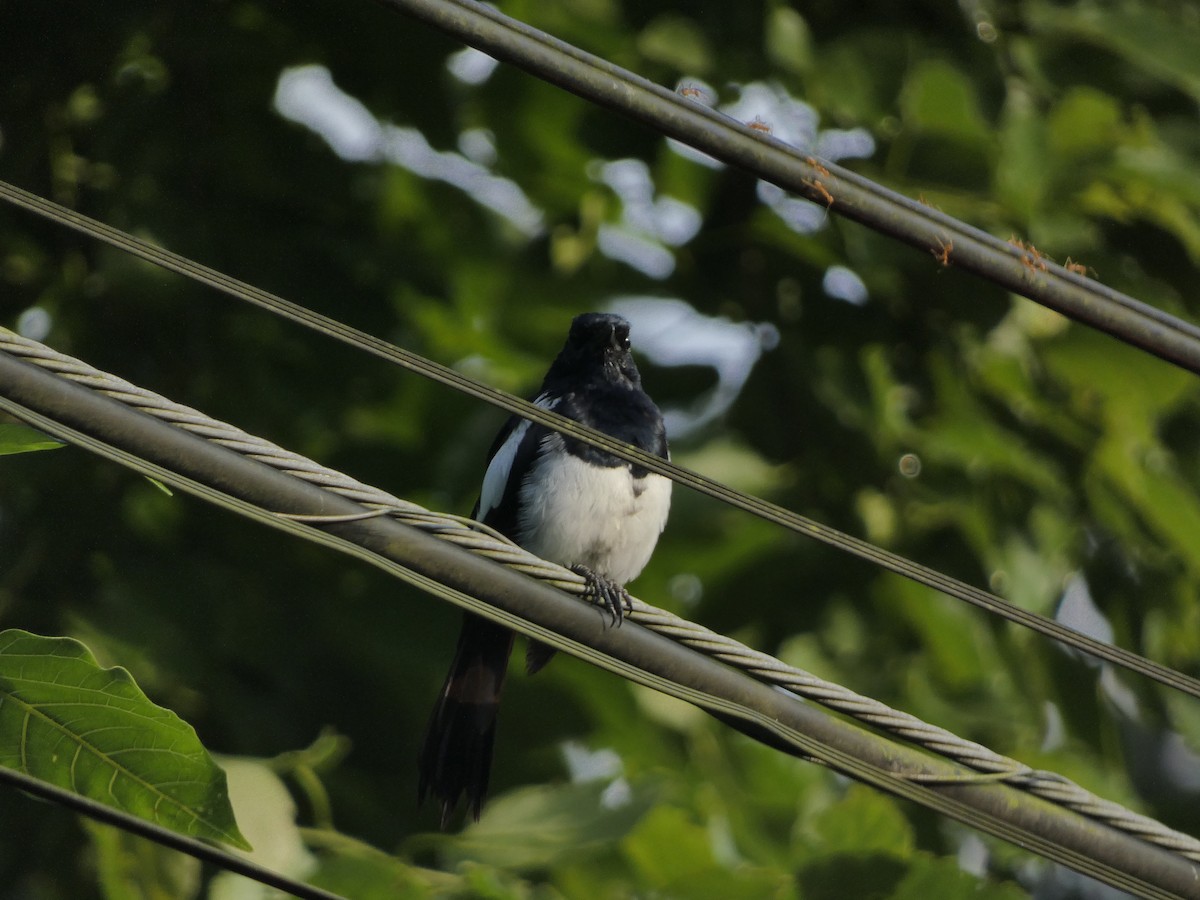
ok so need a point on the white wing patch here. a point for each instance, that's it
(495, 479)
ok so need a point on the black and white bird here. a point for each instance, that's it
(566, 502)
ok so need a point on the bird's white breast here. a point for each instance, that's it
(577, 513)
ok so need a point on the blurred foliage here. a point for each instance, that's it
(941, 418)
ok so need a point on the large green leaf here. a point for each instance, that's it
(67, 721)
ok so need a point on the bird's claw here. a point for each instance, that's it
(606, 593)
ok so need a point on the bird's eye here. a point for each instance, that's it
(625, 342)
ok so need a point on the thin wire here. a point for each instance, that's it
(193, 847)
(987, 764)
(823, 193)
(769, 511)
(766, 723)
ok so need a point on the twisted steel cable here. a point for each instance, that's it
(476, 538)
(765, 510)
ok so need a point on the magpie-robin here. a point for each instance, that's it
(567, 502)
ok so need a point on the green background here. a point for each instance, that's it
(1047, 453)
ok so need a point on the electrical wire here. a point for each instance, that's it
(770, 512)
(173, 840)
(1138, 324)
(480, 540)
(1020, 269)
(62, 409)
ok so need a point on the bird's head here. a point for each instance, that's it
(598, 347)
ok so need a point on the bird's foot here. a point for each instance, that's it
(606, 593)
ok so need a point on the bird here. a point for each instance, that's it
(567, 502)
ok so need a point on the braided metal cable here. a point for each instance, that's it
(756, 506)
(1047, 785)
(480, 540)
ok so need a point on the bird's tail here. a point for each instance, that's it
(456, 754)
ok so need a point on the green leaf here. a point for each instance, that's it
(1021, 175)
(938, 98)
(691, 847)
(129, 867)
(679, 857)
(865, 822)
(676, 41)
(956, 646)
(789, 41)
(836, 876)
(71, 723)
(537, 826)
(162, 487)
(266, 813)
(378, 877)
(944, 879)
(1158, 40)
(1086, 122)
(23, 439)
(353, 868)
